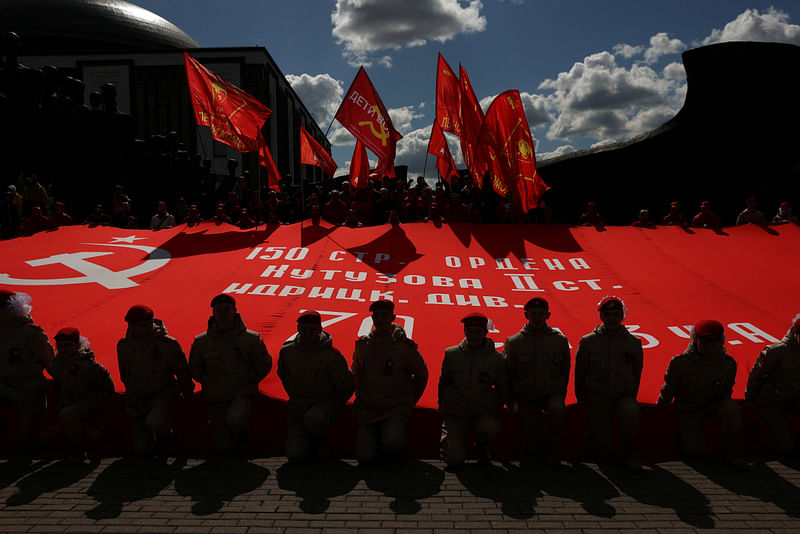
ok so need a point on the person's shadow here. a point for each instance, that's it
(128, 480)
(577, 482)
(317, 483)
(405, 481)
(217, 481)
(659, 487)
(760, 482)
(50, 478)
(15, 468)
(505, 485)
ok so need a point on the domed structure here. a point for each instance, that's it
(58, 26)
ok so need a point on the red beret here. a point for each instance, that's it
(785, 205)
(674, 205)
(222, 298)
(537, 302)
(705, 203)
(709, 328)
(475, 319)
(139, 313)
(309, 316)
(610, 303)
(382, 304)
(6, 295)
(69, 332)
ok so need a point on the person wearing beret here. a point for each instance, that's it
(390, 377)
(774, 385)
(700, 381)
(538, 365)
(319, 383)
(82, 383)
(608, 370)
(25, 351)
(229, 361)
(152, 365)
(472, 389)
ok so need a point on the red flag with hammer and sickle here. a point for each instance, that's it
(234, 116)
(507, 134)
(363, 114)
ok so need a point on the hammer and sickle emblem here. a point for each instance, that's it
(220, 94)
(524, 150)
(383, 134)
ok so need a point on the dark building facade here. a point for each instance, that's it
(141, 54)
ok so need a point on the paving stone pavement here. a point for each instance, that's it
(267, 495)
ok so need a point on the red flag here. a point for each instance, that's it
(312, 153)
(363, 114)
(359, 167)
(265, 159)
(448, 99)
(471, 122)
(235, 117)
(444, 159)
(506, 132)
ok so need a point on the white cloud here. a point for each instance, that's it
(599, 99)
(560, 151)
(403, 117)
(603, 142)
(662, 45)
(411, 150)
(771, 26)
(320, 93)
(627, 51)
(367, 26)
(339, 136)
(675, 71)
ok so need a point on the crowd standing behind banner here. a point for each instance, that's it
(388, 377)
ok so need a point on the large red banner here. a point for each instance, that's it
(668, 278)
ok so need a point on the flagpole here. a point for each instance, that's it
(329, 126)
(425, 167)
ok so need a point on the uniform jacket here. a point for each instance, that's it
(25, 351)
(80, 378)
(314, 374)
(608, 364)
(154, 365)
(473, 381)
(775, 377)
(390, 376)
(537, 363)
(228, 364)
(696, 381)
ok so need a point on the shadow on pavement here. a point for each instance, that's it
(760, 482)
(406, 481)
(316, 483)
(51, 478)
(15, 468)
(577, 482)
(507, 486)
(217, 481)
(128, 480)
(659, 487)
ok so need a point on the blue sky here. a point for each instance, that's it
(589, 72)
